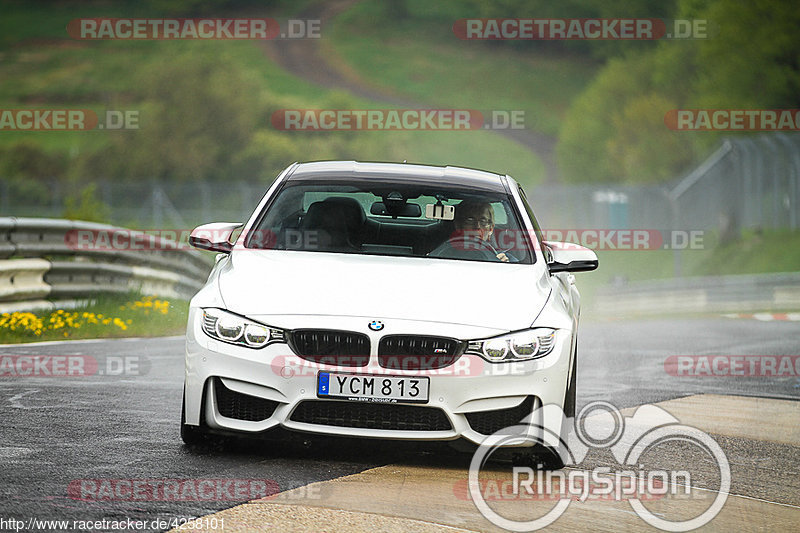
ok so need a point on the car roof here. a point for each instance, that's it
(401, 172)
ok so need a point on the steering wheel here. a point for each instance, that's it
(472, 243)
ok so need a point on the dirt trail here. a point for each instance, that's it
(304, 58)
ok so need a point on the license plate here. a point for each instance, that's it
(368, 388)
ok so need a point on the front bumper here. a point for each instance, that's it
(266, 388)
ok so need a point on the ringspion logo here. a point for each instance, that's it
(599, 425)
(575, 485)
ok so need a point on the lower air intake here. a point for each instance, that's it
(232, 404)
(489, 422)
(371, 416)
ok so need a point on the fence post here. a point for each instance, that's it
(675, 209)
(793, 171)
(773, 165)
(155, 200)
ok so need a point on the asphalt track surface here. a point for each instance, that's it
(124, 424)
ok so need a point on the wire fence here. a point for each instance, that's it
(748, 182)
(145, 204)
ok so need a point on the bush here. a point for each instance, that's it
(85, 205)
(615, 132)
(26, 160)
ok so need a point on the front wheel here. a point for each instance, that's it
(539, 458)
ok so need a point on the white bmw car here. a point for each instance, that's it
(382, 300)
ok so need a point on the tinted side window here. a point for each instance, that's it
(536, 228)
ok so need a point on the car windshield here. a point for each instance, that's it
(414, 219)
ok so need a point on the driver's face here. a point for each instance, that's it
(481, 223)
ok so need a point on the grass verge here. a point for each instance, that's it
(421, 58)
(752, 253)
(41, 67)
(106, 317)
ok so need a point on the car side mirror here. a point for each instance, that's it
(214, 237)
(568, 257)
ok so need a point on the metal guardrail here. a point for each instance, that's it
(41, 259)
(713, 294)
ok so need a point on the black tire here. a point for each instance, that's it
(540, 458)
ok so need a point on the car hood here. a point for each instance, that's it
(500, 296)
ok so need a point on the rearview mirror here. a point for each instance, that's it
(568, 257)
(214, 237)
(407, 210)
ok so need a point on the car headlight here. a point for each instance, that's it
(235, 329)
(518, 346)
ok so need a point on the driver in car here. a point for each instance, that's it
(474, 222)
